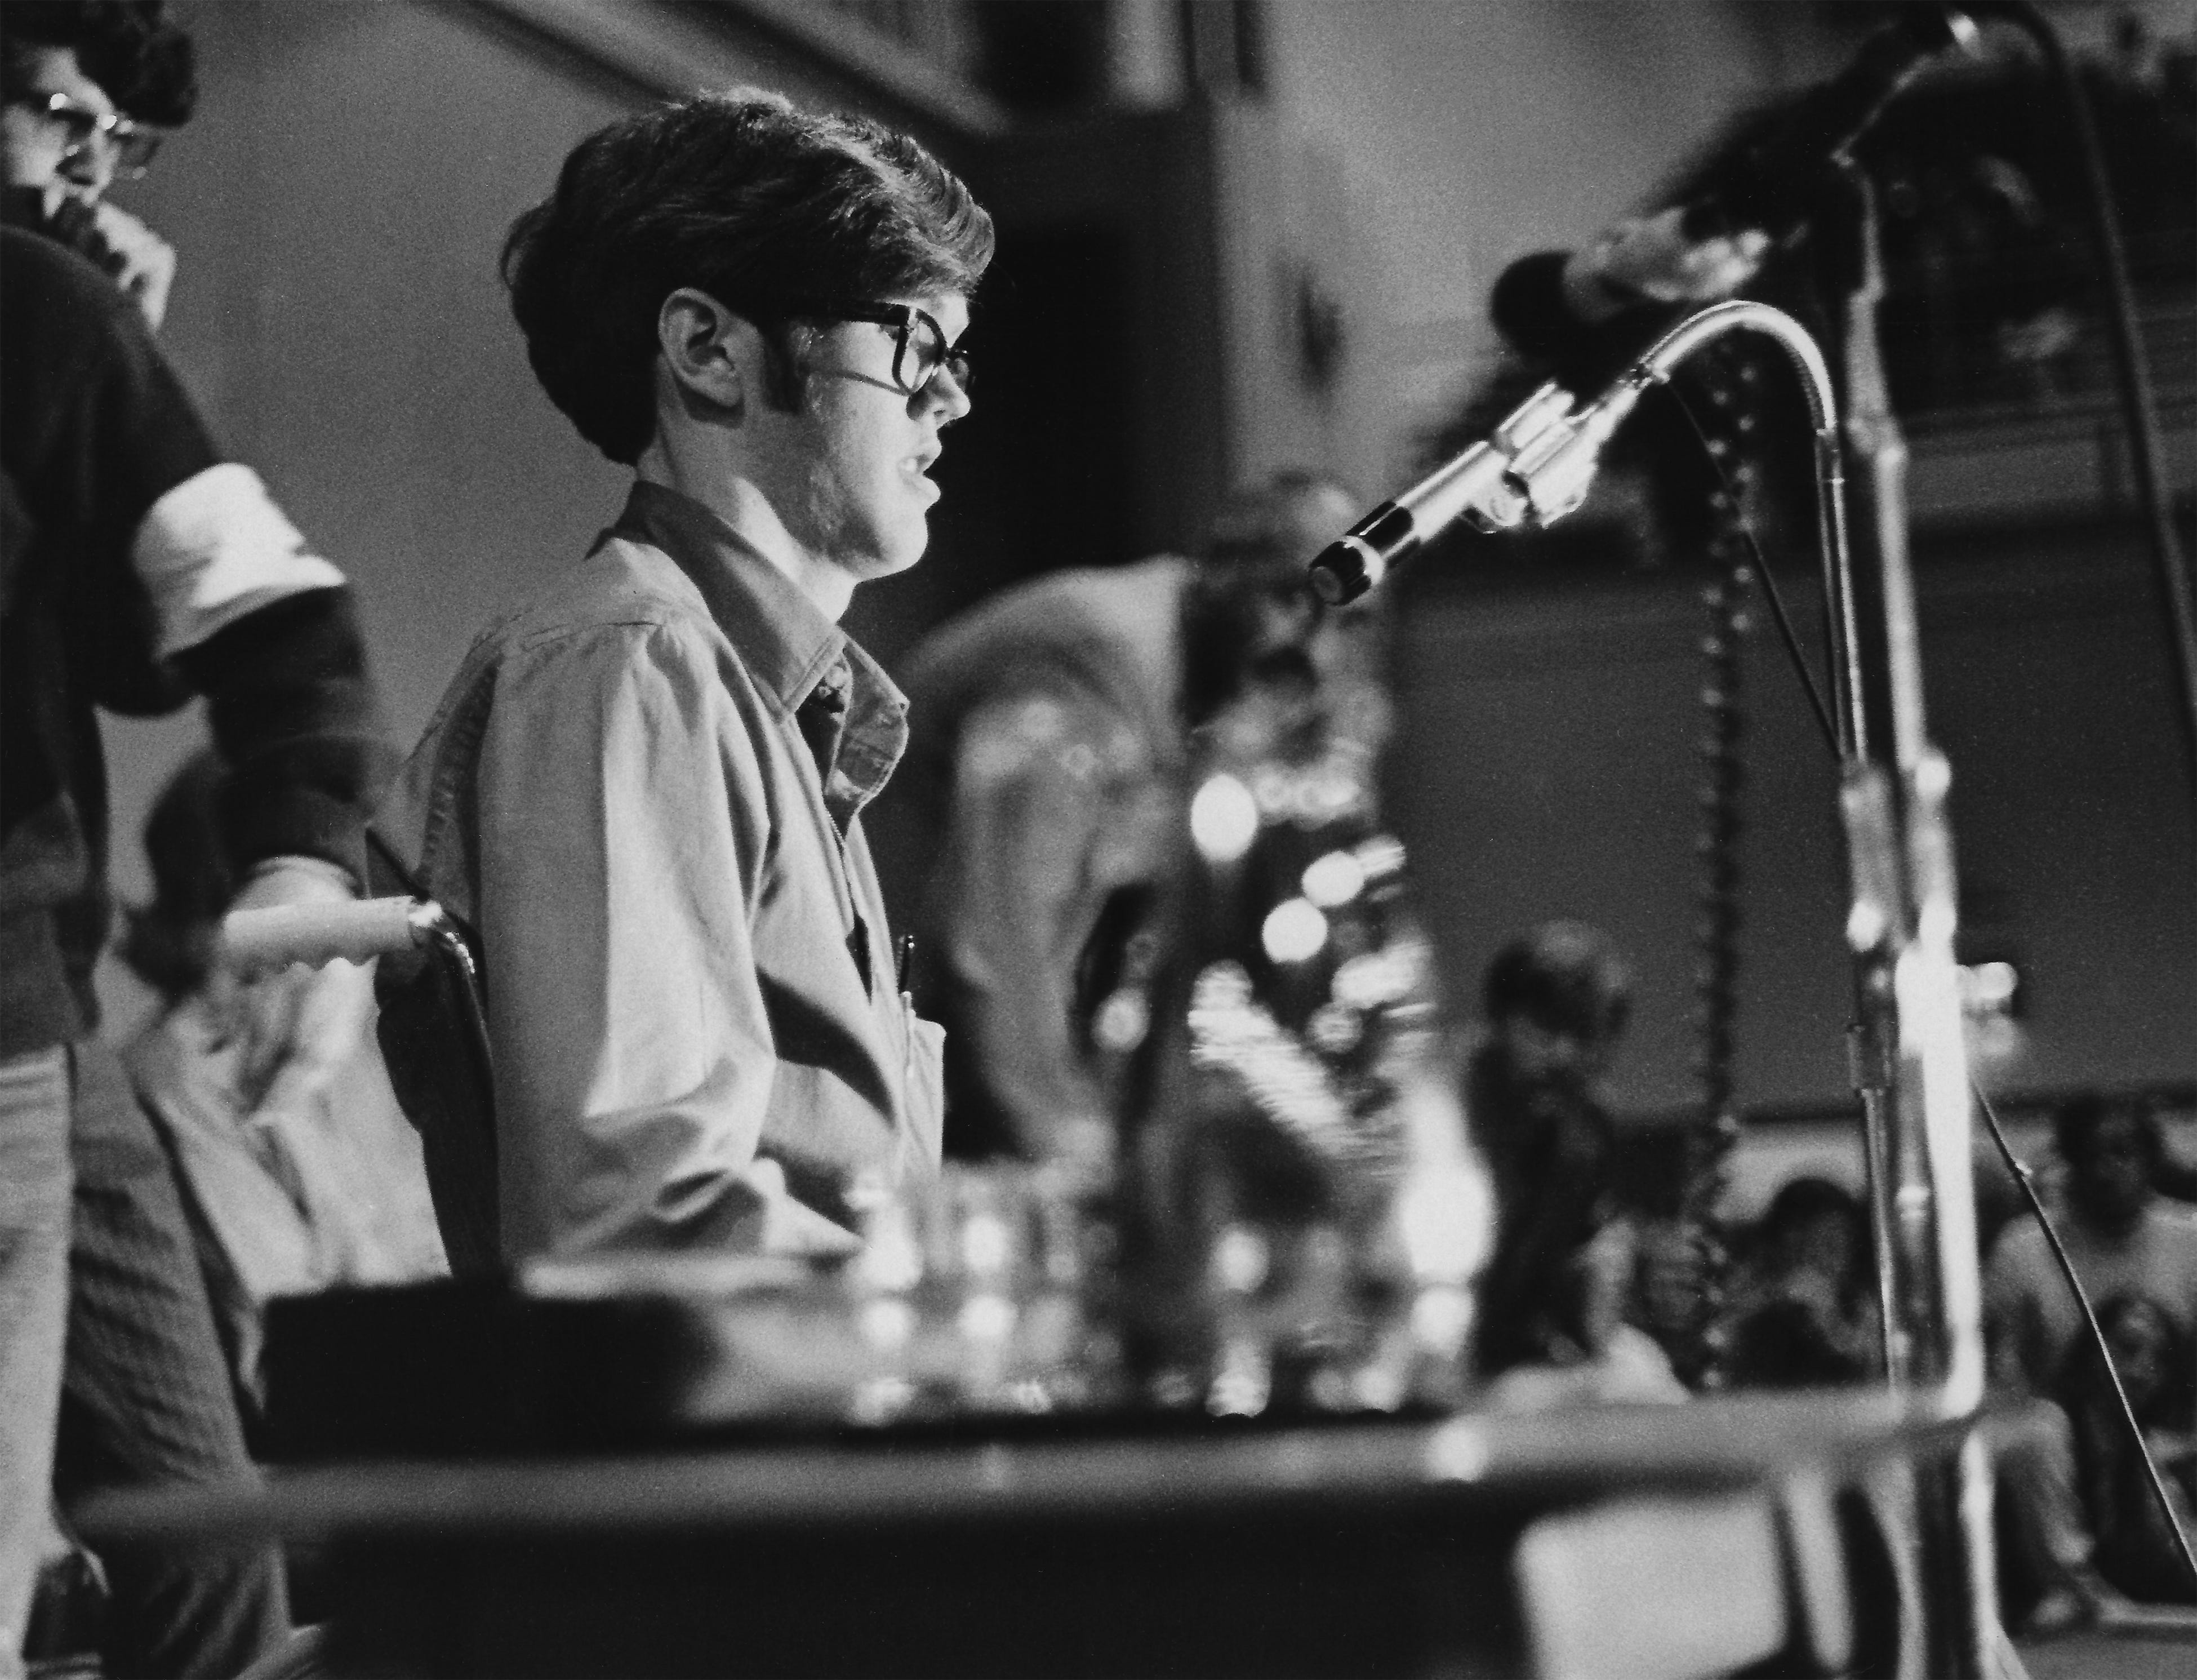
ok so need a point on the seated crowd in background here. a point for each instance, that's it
(2081, 1524)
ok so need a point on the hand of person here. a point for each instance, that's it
(299, 1025)
(143, 263)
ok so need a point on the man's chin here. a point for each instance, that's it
(895, 551)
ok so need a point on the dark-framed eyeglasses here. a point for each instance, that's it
(131, 144)
(919, 345)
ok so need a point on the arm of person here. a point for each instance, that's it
(188, 568)
(193, 572)
(624, 841)
(1017, 895)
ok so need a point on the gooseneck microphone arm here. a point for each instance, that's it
(1536, 466)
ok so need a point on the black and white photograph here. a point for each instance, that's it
(1098, 839)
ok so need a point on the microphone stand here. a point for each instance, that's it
(1909, 1054)
(1911, 1060)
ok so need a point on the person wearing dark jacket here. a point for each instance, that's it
(139, 569)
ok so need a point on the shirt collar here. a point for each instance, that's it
(788, 644)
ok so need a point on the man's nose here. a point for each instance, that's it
(943, 388)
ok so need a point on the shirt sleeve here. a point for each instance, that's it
(1024, 891)
(182, 565)
(624, 835)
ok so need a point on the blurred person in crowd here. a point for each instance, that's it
(1038, 819)
(1804, 1314)
(141, 568)
(299, 1172)
(1557, 1288)
(2122, 1238)
(642, 791)
(2135, 1550)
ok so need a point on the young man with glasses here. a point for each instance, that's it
(642, 793)
(86, 92)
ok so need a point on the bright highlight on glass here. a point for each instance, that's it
(1990, 989)
(1223, 820)
(1294, 931)
(1334, 879)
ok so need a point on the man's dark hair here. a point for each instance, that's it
(2076, 1122)
(739, 196)
(1564, 977)
(143, 62)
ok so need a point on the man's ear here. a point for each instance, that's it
(714, 357)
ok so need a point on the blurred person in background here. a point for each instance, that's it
(2136, 1550)
(2122, 1238)
(297, 1170)
(2121, 1235)
(1558, 1288)
(642, 791)
(1804, 1314)
(1037, 824)
(141, 568)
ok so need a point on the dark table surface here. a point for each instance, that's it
(1476, 1544)
(1547, 1458)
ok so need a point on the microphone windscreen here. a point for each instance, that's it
(1528, 307)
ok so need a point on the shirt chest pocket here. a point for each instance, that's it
(810, 929)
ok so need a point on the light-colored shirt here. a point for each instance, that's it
(641, 794)
(2031, 1314)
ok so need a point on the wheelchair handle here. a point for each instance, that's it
(254, 942)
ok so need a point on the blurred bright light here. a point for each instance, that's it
(1334, 879)
(1382, 855)
(1294, 931)
(1990, 989)
(1223, 820)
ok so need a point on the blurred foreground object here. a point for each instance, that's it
(1305, 1211)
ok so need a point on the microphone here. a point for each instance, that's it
(256, 942)
(1478, 486)
(1709, 247)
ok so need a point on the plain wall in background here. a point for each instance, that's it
(1551, 768)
